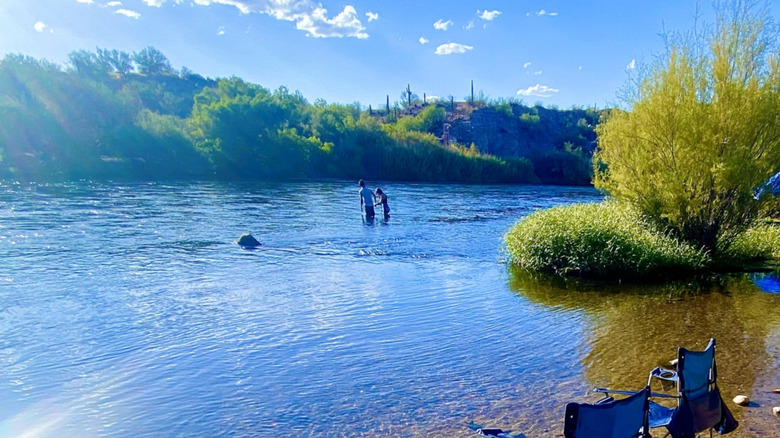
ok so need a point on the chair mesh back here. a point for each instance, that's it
(619, 419)
(696, 370)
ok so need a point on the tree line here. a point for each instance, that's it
(115, 115)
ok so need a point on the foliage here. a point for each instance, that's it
(120, 63)
(151, 61)
(247, 132)
(758, 243)
(771, 207)
(529, 119)
(412, 155)
(701, 132)
(109, 114)
(597, 240)
(569, 166)
(87, 63)
(430, 120)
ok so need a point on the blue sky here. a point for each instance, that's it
(564, 53)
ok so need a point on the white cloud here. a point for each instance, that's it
(579, 68)
(221, 30)
(372, 16)
(442, 25)
(128, 13)
(450, 48)
(87, 2)
(553, 14)
(469, 25)
(538, 72)
(631, 65)
(39, 26)
(113, 4)
(345, 24)
(423, 40)
(538, 90)
(542, 12)
(243, 6)
(308, 15)
(488, 15)
(526, 65)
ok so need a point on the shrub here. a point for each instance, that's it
(756, 244)
(701, 133)
(771, 208)
(598, 240)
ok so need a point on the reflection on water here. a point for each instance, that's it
(634, 328)
(767, 282)
(127, 309)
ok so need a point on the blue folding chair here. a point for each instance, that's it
(700, 406)
(609, 418)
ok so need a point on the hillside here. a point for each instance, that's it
(112, 115)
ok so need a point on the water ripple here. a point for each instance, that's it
(127, 309)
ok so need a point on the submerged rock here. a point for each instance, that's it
(248, 241)
(742, 400)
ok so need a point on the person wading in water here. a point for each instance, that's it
(382, 200)
(366, 200)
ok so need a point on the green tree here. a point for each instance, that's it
(120, 62)
(701, 131)
(88, 64)
(151, 61)
(430, 120)
(248, 132)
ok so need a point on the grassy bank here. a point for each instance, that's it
(756, 244)
(603, 240)
(611, 240)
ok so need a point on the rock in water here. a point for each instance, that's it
(776, 411)
(248, 241)
(742, 400)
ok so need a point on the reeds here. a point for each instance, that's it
(604, 240)
(756, 244)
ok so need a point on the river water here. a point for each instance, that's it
(127, 310)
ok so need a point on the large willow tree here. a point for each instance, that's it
(702, 129)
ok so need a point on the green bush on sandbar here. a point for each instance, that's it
(597, 240)
(759, 243)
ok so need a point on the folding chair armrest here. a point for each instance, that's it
(606, 391)
(605, 400)
(655, 394)
(662, 374)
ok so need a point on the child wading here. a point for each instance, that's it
(382, 198)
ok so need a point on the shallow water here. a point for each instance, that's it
(126, 309)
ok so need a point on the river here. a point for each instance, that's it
(126, 309)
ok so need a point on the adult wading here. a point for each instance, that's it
(366, 200)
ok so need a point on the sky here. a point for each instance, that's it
(564, 53)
